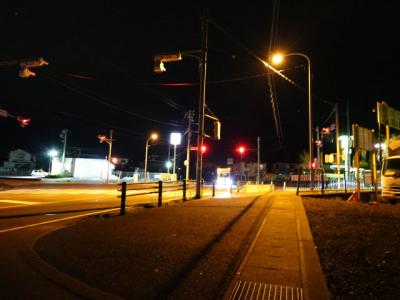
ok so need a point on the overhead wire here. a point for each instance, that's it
(271, 81)
(105, 103)
(163, 98)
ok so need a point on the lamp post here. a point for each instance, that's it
(153, 137)
(52, 153)
(175, 139)
(278, 58)
(104, 138)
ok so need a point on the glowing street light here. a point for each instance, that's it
(52, 153)
(153, 137)
(278, 58)
(175, 139)
(168, 164)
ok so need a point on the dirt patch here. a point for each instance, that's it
(359, 247)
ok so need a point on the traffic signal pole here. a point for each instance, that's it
(200, 136)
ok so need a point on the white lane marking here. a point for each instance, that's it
(58, 220)
(18, 201)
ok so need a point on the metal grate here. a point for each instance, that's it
(254, 290)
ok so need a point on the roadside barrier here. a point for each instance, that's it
(152, 188)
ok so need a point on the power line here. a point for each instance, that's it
(97, 99)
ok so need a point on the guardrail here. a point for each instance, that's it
(152, 188)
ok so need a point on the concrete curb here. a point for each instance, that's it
(65, 281)
(61, 279)
(313, 280)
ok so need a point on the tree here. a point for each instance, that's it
(304, 159)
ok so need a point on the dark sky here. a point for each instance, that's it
(100, 73)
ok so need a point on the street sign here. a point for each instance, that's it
(3, 113)
(388, 115)
(193, 148)
(363, 137)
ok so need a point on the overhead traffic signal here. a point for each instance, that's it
(203, 149)
(25, 66)
(217, 130)
(23, 121)
(102, 138)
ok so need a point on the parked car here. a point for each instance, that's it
(39, 173)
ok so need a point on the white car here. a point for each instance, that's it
(39, 173)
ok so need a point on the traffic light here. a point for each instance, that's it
(217, 130)
(23, 121)
(325, 131)
(102, 138)
(203, 149)
(159, 61)
(25, 73)
(241, 149)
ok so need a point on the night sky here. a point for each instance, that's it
(100, 73)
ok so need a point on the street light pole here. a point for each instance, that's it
(189, 134)
(258, 160)
(153, 136)
(174, 166)
(64, 135)
(109, 155)
(200, 136)
(277, 59)
(145, 160)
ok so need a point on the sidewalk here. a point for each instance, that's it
(282, 262)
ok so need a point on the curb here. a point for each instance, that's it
(61, 279)
(312, 277)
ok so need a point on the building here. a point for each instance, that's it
(19, 163)
(89, 168)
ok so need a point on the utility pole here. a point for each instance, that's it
(63, 135)
(348, 138)
(202, 100)
(337, 142)
(258, 160)
(109, 155)
(109, 140)
(189, 115)
(318, 147)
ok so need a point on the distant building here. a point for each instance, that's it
(19, 163)
(82, 167)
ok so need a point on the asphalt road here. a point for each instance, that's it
(192, 255)
(29, 202)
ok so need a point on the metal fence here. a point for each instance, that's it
(328, 181)
(157, 188)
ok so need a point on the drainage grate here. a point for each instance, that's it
(254, 290)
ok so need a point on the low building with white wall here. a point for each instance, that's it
(82, 167)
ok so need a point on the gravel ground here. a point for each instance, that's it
(358, 245)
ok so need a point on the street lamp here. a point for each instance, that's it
(104, 138)
(175, 139)
(153, 137)
(52, 153)
(277, 59)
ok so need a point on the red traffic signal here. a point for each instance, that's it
(23, 121)
(325, 131)
(203, 149)
(241, 149)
